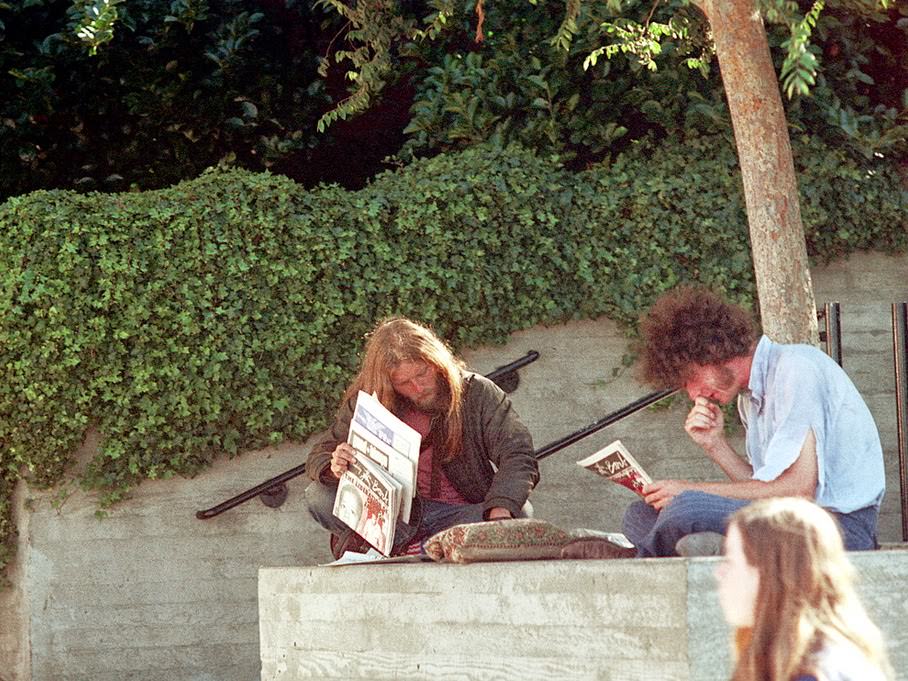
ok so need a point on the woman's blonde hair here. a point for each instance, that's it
(806, 596)
(398, 340)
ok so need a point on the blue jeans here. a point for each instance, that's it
(427, 518)
(655, 533)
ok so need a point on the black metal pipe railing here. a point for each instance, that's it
(502, 371)
(900, 361)
(604, 422)
(273, 491)
(272, 486)
(832, 317)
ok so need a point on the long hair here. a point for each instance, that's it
(690, 326)
(398, 340)
(806, 596)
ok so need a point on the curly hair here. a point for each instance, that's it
(690, 326)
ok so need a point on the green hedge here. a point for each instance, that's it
(226, 313)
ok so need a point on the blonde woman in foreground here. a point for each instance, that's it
(786, 586)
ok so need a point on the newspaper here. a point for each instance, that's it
(371, 557)
(382, 437)
(379, 485)
(617, 538)
(368, 500)
(616, 463)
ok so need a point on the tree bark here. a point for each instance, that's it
(787, 304)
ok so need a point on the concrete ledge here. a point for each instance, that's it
(625, 620)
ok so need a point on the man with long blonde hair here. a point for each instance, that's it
(476, 460)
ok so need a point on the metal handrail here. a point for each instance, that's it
(269, 486)
(900, 360)
(274, 491)
(509, 368)
(605, 421)
(275, 488)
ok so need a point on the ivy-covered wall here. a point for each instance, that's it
(227, 312)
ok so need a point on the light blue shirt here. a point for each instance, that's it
(794, 388)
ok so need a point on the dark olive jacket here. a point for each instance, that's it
(492, 434)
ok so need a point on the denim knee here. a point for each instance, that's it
(320, 503)
(858, 528)
(685, 505)
(694, 511)
(639, 519)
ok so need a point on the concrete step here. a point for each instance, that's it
(622, 620)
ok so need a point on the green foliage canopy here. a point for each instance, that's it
(382, 29)
(517, 86)
(176, 86)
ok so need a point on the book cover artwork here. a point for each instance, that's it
(616, 463)
(366, 502)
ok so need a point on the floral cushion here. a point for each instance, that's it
(512, 539)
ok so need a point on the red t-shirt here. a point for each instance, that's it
(444, 490)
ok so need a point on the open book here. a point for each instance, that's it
(616, 463)
(379, 486)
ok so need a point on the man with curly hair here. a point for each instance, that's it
(809, 432)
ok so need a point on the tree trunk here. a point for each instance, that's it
(787, 305)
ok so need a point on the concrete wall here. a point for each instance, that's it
(151, 593)
(623, 620)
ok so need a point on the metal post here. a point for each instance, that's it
(832, 316)
(900, 360)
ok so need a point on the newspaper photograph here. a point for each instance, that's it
(367, 500)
